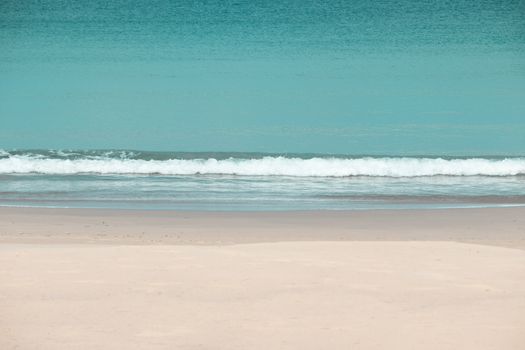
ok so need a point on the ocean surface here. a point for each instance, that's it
(250, 181)
(282, 105)
(404, 77)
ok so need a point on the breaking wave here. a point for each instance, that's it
(26, 163)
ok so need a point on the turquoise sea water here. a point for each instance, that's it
(254, 79)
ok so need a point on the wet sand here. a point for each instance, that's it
(493, 226)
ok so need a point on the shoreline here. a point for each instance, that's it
(490, 226)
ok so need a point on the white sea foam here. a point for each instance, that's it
(321, 167)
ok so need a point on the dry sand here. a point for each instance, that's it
(90, 279)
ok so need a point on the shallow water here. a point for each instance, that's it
(149, 180)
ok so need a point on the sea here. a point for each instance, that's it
(261, 104)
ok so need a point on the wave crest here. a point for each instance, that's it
(267, 166)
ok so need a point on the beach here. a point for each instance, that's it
(397, 279)
(273, 175)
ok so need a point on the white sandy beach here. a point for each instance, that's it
(326, 287)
